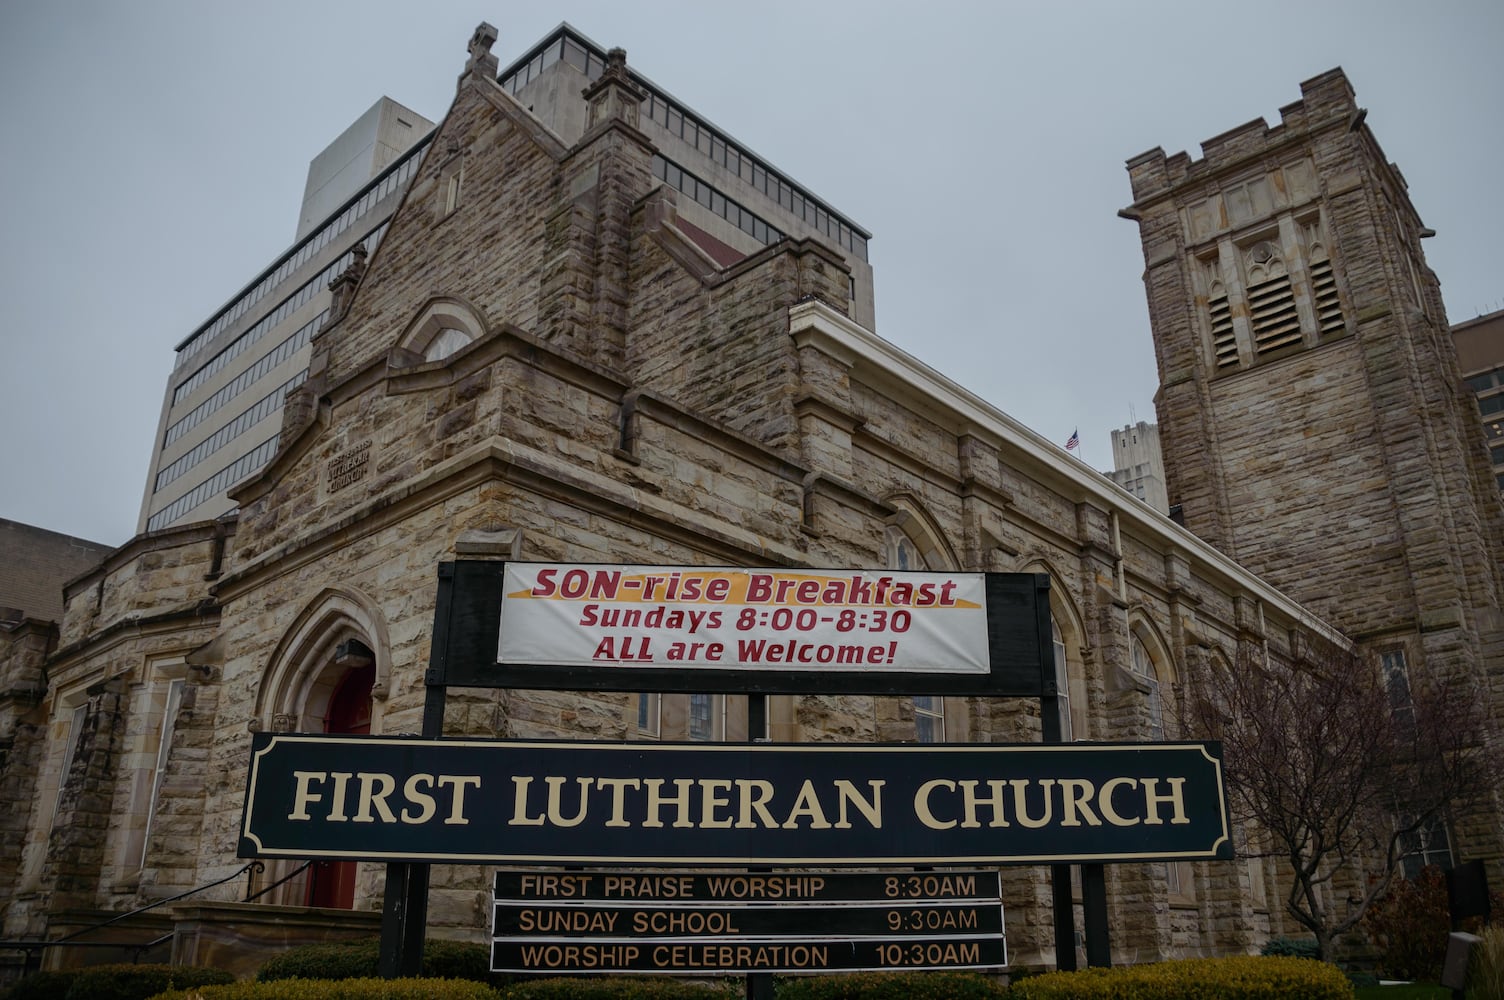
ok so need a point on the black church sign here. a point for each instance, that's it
(535, 802)
(618, 627)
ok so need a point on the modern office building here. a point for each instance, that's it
(1138, 466)
(1480, 354)
(222, 412)
(1315, 422)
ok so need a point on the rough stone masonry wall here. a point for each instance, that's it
(485, 252)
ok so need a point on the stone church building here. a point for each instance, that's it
(543, 360)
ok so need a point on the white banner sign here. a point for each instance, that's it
(821, 620)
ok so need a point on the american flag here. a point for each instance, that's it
(1074, 441)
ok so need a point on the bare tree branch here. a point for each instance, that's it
(1336, 772)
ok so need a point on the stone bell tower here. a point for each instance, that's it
(1313, 418)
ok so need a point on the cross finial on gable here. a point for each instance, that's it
(481, 60)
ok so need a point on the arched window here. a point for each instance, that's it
(900, 551)
(1068, 645)
(1146, 671)
(446, 343)
(912, 543)
(1063, 682)
(443, 327)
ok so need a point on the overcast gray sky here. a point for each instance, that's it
(157, 152)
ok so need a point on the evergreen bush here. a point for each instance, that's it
(137, 982)
(613, 988)
(1290, 947)
(40, 986)
(361, 958)
(892, 986)
(341, 989)
(1240, 978)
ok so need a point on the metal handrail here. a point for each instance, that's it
(284, 879)
(67, 940)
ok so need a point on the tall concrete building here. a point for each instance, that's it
(1138, 466)
(1480, 352)
(222, 411)
(1315, 424)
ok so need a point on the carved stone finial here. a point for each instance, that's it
(343, 286)
(613, 94)
(616, 63)
(481, 60)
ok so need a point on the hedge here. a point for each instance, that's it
(892, 986)
(616, 988)
(40, 986)
(342, 989)
(123, 981)
(1239, 978)
(361, 958)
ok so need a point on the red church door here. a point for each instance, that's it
(332, 883)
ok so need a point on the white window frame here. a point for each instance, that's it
(167, 727)
(929, 710)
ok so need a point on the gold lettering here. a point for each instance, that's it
(872, 810)
(1104, 802)
(1152, 800)
(337, 805)
(807, 803)
(1077, 792)
(370, 798)
(970, 801)
(425, 803)
(1021, 803)
(555, 812)
(459, 782)
(303, 796)
(656, 801)
(519, 803)
(618, 788)
(755, 795)
(922, 804)
(709, 800)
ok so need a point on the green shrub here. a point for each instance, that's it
(892, 986)
(1485, 974)
(1239, 978)
(362, 959)
(325, 960)
(342, 989)
(40, 986)
(1290, 947)
(137, 982)
(612, 988)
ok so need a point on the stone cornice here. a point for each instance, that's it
(505, 460)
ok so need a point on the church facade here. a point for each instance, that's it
(543, 361)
